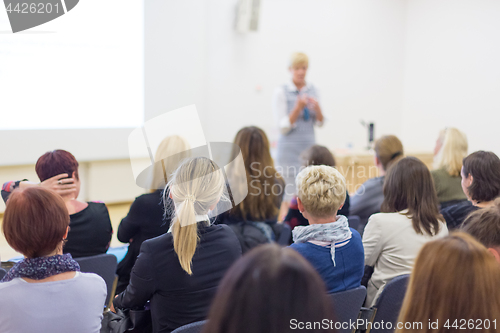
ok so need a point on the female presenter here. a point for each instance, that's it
(297, 111)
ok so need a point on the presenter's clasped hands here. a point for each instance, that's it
(302, 102)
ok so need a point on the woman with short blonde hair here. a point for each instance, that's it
(314, 155)
(178, 272)
(334, 249)
(451, 149)
(453, 287)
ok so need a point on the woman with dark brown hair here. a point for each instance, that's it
(453, 288)
(254, 219)
(272, 290)
(480, 183)
(45, 292)
(369, 197)
(410, 218)
(314, 155)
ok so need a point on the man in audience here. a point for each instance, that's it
(484, 225)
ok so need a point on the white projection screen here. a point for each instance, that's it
(74, 83)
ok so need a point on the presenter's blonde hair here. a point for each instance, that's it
(453, 150)
(196, 187)
(321, 189)
(299, 59)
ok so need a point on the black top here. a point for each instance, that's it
(456, 214)
(251, 232)
(145, 220)
(90, 231)
(177, 298)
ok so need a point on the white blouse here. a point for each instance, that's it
(391, 247)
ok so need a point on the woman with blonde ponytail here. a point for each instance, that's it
(146, 218)
(179, 271)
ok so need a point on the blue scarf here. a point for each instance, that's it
(334, 232)
(42, 267)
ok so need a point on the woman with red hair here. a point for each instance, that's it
(45, 292)
(90, 227)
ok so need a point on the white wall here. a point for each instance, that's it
(110, 181)
(193, 54)
(452, 72)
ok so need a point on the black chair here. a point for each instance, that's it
(103, 265)
(388, 305)
(191, 328)
(347, 305)
(354, 221)
(285, 236)
(2, 273)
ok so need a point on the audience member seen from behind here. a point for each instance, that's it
(334, 249)
(179, 272)
(484, 225)
(480, 183)
(369, 197)
(147, 217)
(254, 219)
(272, 290)
(90, 227)
(45, 292)
(315, 155)
(453, 288)
(451, 149)
(409, 219)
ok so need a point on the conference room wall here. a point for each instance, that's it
(194, 54)
(452, 72)
(110, 181)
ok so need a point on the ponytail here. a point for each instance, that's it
(195, 188)
(185, 237)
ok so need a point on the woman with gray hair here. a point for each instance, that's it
(334, 249)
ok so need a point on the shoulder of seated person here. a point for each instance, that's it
(96, 203)
(381, 217)
(457, 207)
(355, 233)
(149, 195)
(159, 240)
(375, 180)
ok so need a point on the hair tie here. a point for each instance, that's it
(191, 198)
(396, 154)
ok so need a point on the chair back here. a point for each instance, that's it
(285, 236)
(389, 304)
(347, 305)
(103, 265)
(354, 221)
(191, 328)
(2, 273)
